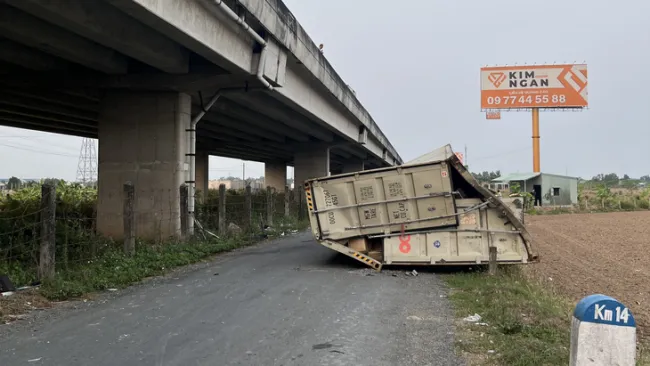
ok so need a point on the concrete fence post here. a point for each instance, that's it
(492, 264)
(222, 209)
(47, 253)
(302, 210)
(603, 332)
(185, 211)
(248, 207)
(269, 206)
(128, 217)
(287, 201)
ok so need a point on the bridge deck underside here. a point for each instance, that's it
(55, 67)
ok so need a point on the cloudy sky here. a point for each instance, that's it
(415, 67)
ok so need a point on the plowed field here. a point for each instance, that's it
(608, 253)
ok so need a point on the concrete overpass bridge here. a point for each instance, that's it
(165, 84)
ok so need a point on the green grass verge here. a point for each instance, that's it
(113, 269)
(526, 324)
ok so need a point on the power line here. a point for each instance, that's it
(38, 151)
(40, 137)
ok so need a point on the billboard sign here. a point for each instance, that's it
(493, 115)
(534, 86)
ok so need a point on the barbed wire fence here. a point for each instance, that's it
(48, 234)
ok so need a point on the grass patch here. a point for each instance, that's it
(527, 324)
(113, 269)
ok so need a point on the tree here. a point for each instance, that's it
(645, 178)
(486, 176)
(626, 177)
(14, 183)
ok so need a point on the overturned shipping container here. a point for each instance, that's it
(429, 211)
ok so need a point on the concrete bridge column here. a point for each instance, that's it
(311, 163)
(352, 165)
(142, 139)
(275, 175)
(202, 162)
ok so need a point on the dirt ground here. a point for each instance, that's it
(608, 253)
(16, 306)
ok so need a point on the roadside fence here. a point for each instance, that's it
(57, 227)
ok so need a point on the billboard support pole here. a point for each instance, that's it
(536, 164)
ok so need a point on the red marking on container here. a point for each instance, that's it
(405, 243)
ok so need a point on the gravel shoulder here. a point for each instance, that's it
(284, 302)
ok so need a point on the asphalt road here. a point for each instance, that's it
(287, 302)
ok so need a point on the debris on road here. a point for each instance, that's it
(413, 273)
(473, 318)
(324, 345)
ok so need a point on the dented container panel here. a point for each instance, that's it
(431, 212)
(372, 203)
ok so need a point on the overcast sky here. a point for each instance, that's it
(415, 67)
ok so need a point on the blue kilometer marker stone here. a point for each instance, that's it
(603, 310)
(603, 332)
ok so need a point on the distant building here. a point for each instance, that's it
(256, 184)
(547, 189)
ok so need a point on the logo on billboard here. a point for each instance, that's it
(577, 79)
(497, 78)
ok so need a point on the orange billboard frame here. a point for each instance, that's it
(534, 86)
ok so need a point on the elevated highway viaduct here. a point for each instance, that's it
(165, 84)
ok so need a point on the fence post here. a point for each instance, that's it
(269, 206)
(301, 202)
(47, 261)
(492, 264)
(185, 210)
(129, 218)
(248, 207)
(287, 202)
(222, 209)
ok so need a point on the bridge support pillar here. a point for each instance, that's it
(142, 140)
(312, 163)
(275, 175)
(202, 162)
(352, 165)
